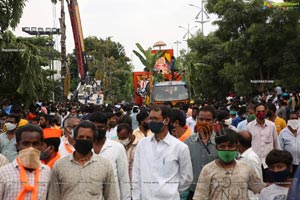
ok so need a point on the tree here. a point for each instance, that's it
(21, 69)
(109, 65)
(147, 58)
(10, 13)
(258, 44)
(206, 59)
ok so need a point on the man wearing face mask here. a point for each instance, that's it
(82, 175)
(200, 143)
(67, 142)
(289, 139)
(162, 167)
(226, 178)
(242, 126)
(3, 117)
(115, 153)
(129, 141)
(50, 154)
(26, 177)
(8, 140)
(5, 105)
(143, 129)
(264, 136)
(241, 116)
(280, 169)
(224, 119)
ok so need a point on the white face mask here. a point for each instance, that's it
(10, 126)
(293, 123)
(228, 121)
(125, 142)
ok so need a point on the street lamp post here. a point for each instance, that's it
(38, 31)
(177, 43)
(188, 33)
(41, 31)
(202, 12)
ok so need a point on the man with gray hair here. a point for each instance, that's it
(66, 146)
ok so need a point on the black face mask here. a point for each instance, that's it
(156, 127)
(146, 126)
(101, 134)
(44, 155)
(43, 126)
(281, 176)
(83, 146)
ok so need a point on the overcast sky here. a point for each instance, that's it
(126, 21)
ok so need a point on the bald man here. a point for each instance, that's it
(248, 156)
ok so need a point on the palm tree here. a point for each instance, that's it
(147, 58)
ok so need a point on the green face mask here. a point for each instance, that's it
(251, 117)
(112, 124)
(227, 156)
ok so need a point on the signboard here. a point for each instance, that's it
(141, 85)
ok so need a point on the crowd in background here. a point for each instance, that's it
(236, 148)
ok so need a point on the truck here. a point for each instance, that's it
(149, 89)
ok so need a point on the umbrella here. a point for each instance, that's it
(159, 44)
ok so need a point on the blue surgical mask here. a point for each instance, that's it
(7, 109)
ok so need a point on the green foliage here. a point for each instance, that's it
(250, 44)
(10, 13)
(146, 57)
(204, 62)
(21, 69)
(109, 65)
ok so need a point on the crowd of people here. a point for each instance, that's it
(233, 149)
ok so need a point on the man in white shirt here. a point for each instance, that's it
(242, 126)
(264, 136)
(112, 122)
(192, 120)
(162, 167)
(67, 141)
(115, 153)
(248, 156)
(289, 139)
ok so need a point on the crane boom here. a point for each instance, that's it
(78, 37)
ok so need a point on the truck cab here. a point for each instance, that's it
(170, 91)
